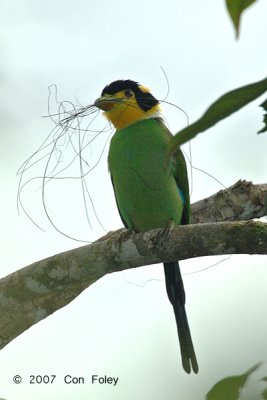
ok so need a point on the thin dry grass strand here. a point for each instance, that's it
(59, 139)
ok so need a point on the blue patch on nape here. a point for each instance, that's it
(182, 195)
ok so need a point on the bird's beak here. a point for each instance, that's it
(105, 103)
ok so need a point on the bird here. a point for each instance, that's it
(149, 192)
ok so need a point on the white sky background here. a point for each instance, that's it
(116, 328)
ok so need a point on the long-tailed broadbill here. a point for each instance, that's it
(150, 192)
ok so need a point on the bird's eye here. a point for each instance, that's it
(128, 93)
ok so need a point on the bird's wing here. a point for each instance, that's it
(123, 221)
(180, 174)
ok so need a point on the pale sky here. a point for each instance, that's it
(123, 326)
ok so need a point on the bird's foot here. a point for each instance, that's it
(112, 235)
(167, 230)
(120, 235)
(161, 236)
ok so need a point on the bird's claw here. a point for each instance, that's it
(167, 230)
(113, 235)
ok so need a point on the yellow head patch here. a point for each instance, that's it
(125, 111)
(125, 102)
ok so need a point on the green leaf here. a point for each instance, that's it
(222, 108)
(229, 388)
(264, 106)
(235, 9)
(264, 394)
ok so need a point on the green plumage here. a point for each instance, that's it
(150, 194)
(146, 191)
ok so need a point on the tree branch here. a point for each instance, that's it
(242, 201)
(36, 291)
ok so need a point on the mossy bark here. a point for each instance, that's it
(36, 291)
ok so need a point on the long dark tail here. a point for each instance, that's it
(176, 294)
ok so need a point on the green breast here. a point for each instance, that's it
(145, 188)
